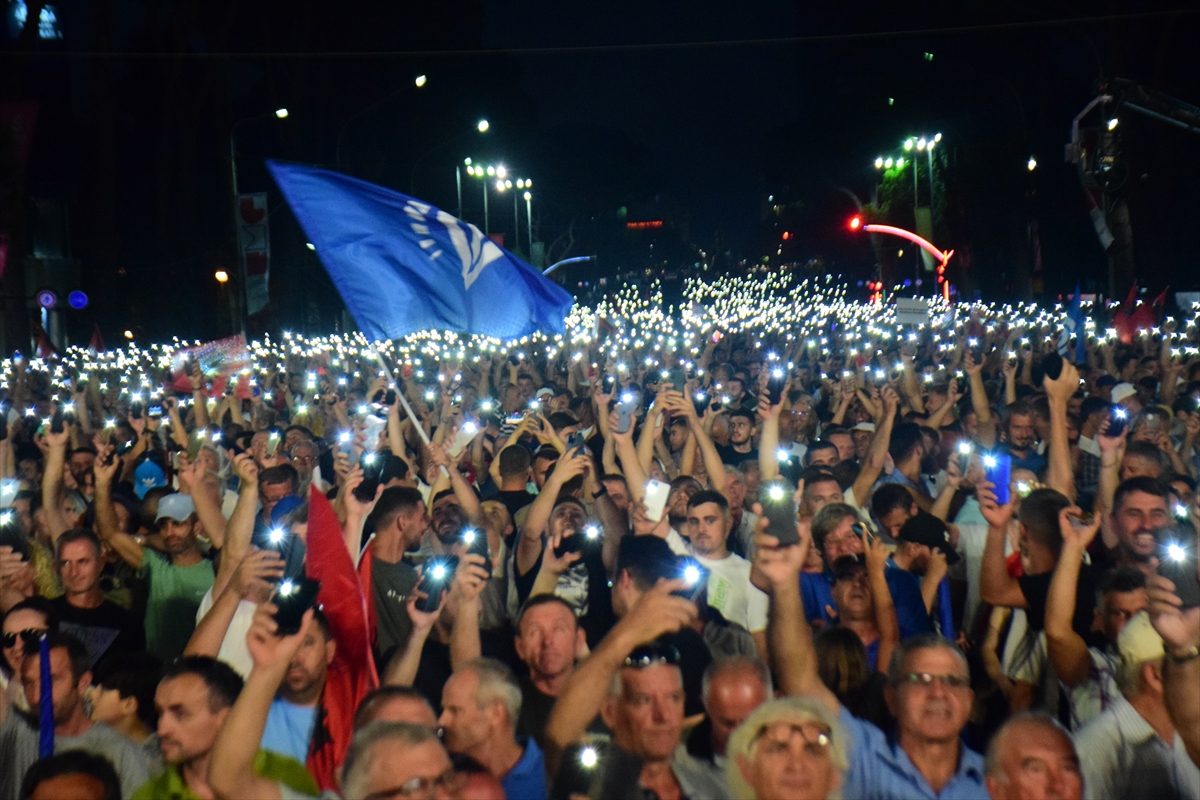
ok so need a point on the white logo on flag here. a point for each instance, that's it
(475, 251)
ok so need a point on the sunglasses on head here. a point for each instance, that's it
(28, 636)
(652, 654)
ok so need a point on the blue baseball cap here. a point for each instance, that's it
(147, 476)
(178, 507)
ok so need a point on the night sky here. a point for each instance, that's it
(694, 113)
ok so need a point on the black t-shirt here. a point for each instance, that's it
(105, 630)
(732, 457)
(1037, 587)
(514, 501)
(535, 712)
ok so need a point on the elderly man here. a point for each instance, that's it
(643, 707)
(733, 687)
(929, 693)
(788, 749)
(548, 641)
(481, 704)
(1032, 755)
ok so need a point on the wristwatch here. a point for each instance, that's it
(1186, 656)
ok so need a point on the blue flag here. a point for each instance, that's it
(402, 265)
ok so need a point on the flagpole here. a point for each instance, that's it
(407, 408)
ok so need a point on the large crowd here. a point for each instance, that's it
(767, 543)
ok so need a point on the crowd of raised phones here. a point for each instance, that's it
(913, 567)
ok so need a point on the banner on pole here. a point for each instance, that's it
(254, 248)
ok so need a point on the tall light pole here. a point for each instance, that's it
(529, 220)
(481, 126)
(238, 298)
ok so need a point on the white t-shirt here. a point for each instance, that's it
(234, 651)
(679, 545)
(731, 593)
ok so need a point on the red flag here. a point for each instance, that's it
(45, 347)
(96, 345)
(352, 674)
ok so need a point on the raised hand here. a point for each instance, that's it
(1076, 532)
(267, 648)
(998, 516)
(551, 562)
(776, 565)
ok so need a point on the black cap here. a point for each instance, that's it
(930, 531)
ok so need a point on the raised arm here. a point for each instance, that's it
(979, 402)
(877, 452)
(1180, 630)
(1058, 474)
(656, 613)
(768, 439)
(877, 555)
(402, 669)
(251, 578)
(1068, 651)
(53, 493)
(1112, 450)
(712, 460)
(996, 586)
(231, 762)
(530, 545)
(191, 478)
(776, 571)
(107, 528)
(240, 526)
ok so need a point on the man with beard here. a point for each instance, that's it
(178, 580)
(553, 517)
(911, 459)
(293, 714)
(193, 699)
(70, 678)
(1139, 511)
(400, 521)
(1022, 437)
(741, 444)
(548, 641)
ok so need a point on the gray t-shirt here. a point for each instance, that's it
(19, 750)
(392, 584)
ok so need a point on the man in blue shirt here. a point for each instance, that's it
(928, 692)
(834, 535)
(481, 704)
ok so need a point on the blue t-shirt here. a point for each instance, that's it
(906, 597)
(527, 778)
(289, 729)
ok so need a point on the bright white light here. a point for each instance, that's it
(276, 535)
(6, 518)
(964, 448)
(989, 461)
(439, 572)
(691, 574)
(483, 126)
(776, 493)
(420, 81)
(1031, 164)
(281, 113)
(369, 459)
(588, 757)
(782, 455)
(1175, 552)
(1112, 123)
(286, 588)
(469, 536)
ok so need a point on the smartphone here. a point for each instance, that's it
(656, 499)
(230, 443)
(677, 377)
(1052, 365)
(625, 409)
(135, 409)
(57, 421)
(1177, 562)
(779, 507)
(695, 575)
(10, 534)
(575, 441)
(154, 411)
(372, 467)
(477, 544)
(293, 598)
(466, 432)
(273, 440)
(976, 349)
(1118, 419)
(514, 419)
(387, 398)
(435, 578)
(576, 542)
(775, 385)
(609, 383)
(997, 469)
(964, 458)
(700, 402)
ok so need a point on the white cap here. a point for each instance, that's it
(864, 426)
(1122, 391)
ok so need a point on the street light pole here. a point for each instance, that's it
(529, 222)
(458, 186)
(237, 298)
(487, 220)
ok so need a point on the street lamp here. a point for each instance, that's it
(483, 125)
(221, 275)
(1031, 164)
(420, 81)
(529, 219)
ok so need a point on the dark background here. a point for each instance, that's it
(690, 113)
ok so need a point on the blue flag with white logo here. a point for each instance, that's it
(1073, 325)
(402, 265)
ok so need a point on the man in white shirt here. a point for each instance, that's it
(729, 588)
(1132, 750)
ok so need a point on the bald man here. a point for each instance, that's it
(732, 688)
(1032, 756)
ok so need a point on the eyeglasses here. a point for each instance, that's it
(777, 737)
(652, 654)
(28, 636)
(449, 781)
(925, 680)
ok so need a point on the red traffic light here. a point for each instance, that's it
(786, 235)
(855, 223)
